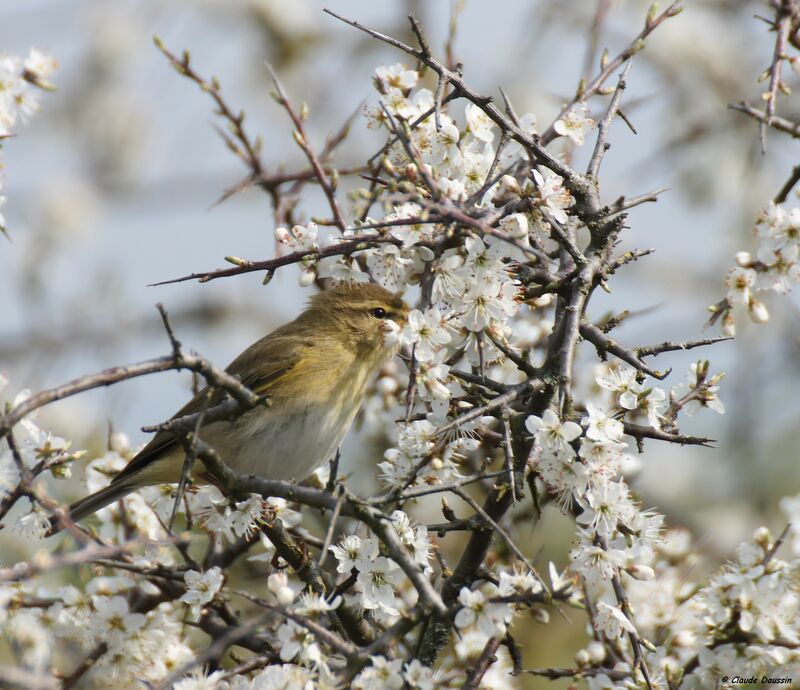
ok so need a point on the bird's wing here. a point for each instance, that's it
(259, 368)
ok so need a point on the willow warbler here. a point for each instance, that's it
(314, 371)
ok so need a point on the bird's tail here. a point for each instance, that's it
(99, 499)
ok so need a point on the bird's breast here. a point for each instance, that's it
(290, 438)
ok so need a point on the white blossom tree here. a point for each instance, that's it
(512, 397)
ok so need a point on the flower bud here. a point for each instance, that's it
(744, 259)
(307, 277)
(582, 658)
(516, 225)
(597, 652)
(62, 471)
(684, 638)
(758, 311)
(388, 166)
(763, 537)
(509, 184)
(640, 572)
(119, 442)
(387, 385)
(540, 616)
(278, 584)
(728, 325)
(282, 234)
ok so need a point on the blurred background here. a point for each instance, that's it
(113, 187)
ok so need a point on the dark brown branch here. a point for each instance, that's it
(639, 431)
(108, 377)
(604, 345)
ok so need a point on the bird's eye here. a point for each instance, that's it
(379, 313)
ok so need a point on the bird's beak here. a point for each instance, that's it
(391, 333)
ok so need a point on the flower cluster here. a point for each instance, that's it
(379, 580)
(774, 268)
(21, 80)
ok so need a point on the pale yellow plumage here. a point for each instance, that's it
(314, 370)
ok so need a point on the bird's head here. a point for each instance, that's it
(367, 316)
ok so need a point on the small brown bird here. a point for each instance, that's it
(314, 371)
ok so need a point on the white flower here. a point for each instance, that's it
(470, 645)
(432, 380)
(414, 232)
(418, 676)
(518, 582)
(297, 641)
(479, 123)
(575, 123)
(312, 604)
(113, 623)
(593, 562)
(39, 65)
(602, 457)
(342, 269)
(213, 512)
(350, 551)
(381, 675)
(779, 227)
(490, 618)
(782, 267)
(484, 260)
(601, 427)
(378, 586)
(247, 516)
(552, 195)
(198, 680)
(396, 76)
(515, 225)
(415, 541)
(201, 588)
(606, 506)
(558, 581)
(34, 524)
(611, 621)
(488, 302)
(445, 143)
(390, 266)
(476, 160)
(428, 331)
(740, 283)
(280, 508)
(551, 432)
(278, 584)
(299, 238)
(622, 381)
(563, 474)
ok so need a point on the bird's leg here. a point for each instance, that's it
(333, 473)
